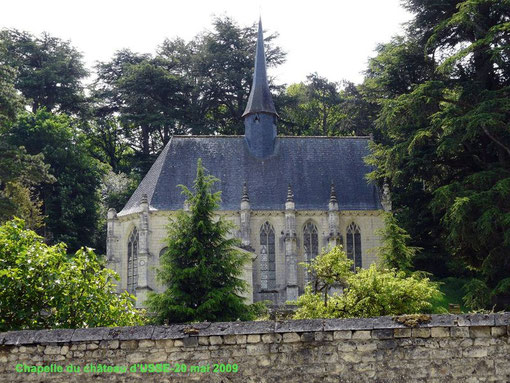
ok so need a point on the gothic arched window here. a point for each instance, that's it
(310, 244)
(162, 251)
(132, 262)
(354, 244)
(267, 257)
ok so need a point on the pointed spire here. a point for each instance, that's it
(332, 197)
(260, 99)
(290, 195)
(245, 197)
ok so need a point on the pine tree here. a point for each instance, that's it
(201, 267)
(395, 253)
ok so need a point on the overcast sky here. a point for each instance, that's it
(334, 38)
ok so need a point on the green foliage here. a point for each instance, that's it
(444, 143)
(19, 174)
(49, 70)
(43, 287)
(71, 203)
(198, 87)
(201, 268)
(453, 293)
(477, 294)
(330, 269)
(394, 252)
(367, 292)
(11, 101)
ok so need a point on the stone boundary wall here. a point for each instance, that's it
(449, 348)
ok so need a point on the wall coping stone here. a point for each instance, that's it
(300, 325)
(182, 331)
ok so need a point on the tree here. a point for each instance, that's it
(49, 70)
(367, 292)
(20, 173)
(445, 143)
(71, 204)
(11, 102)
(394, 252)
(43, 287)
(201, 267)
(314, 107)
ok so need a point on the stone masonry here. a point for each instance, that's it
(449, 348)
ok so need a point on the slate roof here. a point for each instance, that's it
(309, 164)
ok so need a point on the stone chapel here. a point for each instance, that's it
(288, 196)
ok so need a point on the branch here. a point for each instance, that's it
(507, 149)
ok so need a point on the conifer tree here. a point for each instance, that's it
(201, 267)
(395, 253)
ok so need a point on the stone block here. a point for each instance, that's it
(291, 337)
(361, 334)
(366, 346)
(386, 322)
(129, 345)
(145, 343)
(240, 339)
(237, 328)
(420, 332)
(52, 350)
(229, 339)
(476, 320)
(169, 332)
(444, 320)
(257, 349)
(383, 333)
(113, 344)
(502, 319)
(203, 340)
(166, 343)
(54, 336)
(272, 338)
(479, 331)
(323, 336)
(402, 333)
(19, 337)
(131, 333)
(439, 332)
(215, 340)
(349, 324)
(302, 325)
(459, 332)
(191, 341)
(498, 331)
(476, 352)
(310, 337)
(90, 334)
(342, 334)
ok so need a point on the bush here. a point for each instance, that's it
(42, 286)
(368, 292)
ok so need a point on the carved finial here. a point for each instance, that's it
(332, 196)
(245, 197)
(290, 195)
(386, 196)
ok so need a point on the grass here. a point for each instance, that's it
(452, 289)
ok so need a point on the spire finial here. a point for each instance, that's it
(245, 197)
(332, 197)
(290, 195)
(260, 99)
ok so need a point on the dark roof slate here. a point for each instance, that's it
(308, 164)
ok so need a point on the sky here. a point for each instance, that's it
(334, 38)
